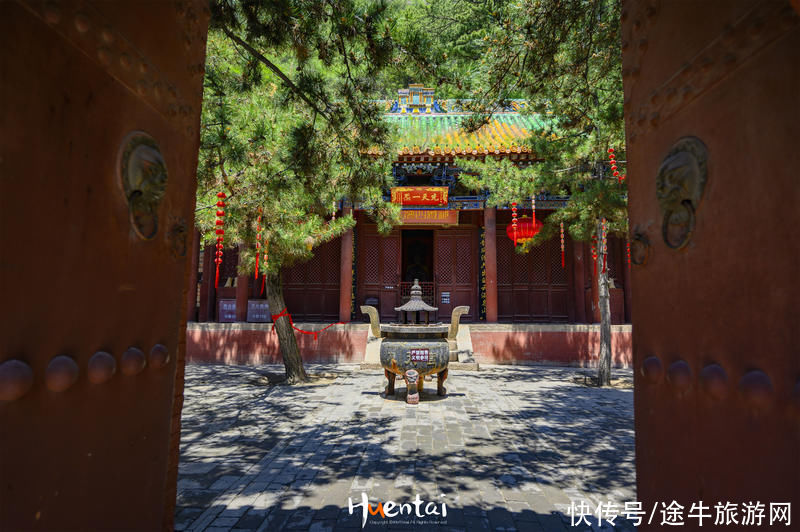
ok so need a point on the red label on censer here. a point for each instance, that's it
(419, 355)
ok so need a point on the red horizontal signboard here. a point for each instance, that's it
(429, 217)
(419, 195)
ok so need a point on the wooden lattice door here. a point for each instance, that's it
(532, 287)
(311, 289)
(456, 272)
(379, 269)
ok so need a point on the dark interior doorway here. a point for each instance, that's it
(417, 258)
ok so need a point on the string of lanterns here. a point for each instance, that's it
(266, 264)
(220, 232)
(258, 242)
(605, 245)
(620, 179)
(594, 253)
(562, 244)
(629, 253)
(514, 221)
(614, 169)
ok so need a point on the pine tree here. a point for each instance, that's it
(289, 128)
(564, 56)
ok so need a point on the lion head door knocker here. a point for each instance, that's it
(143, 176)
(679, 187)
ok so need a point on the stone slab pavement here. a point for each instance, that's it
(508, 448)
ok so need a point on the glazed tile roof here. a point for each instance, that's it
(441, 133)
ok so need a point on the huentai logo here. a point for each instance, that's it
(389, 509)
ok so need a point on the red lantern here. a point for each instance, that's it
(594, 253)
(514, 221)
(629, 254)
(614, 167)
(266, 264)
(525, 229)
(258, 241)
(605, 245)
(220, 236)
(562, 243)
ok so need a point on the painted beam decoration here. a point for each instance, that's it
(419, 195)
(429, 217)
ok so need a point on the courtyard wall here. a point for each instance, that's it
(558, 344)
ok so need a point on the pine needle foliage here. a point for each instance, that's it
(564, 57)
(287, 121)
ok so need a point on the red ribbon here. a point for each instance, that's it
(285, 312)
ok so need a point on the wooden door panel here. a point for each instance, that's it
(379, 269)
(559, 304)
(73, 115)
(456, 270)
(307, 285)
(715, 351)
(534, 286)
(538, 303)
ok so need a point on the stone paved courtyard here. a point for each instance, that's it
(509, 448)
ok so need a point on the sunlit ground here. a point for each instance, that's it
(510, 447)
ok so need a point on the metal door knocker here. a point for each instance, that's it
(143, 176)
(679, 187)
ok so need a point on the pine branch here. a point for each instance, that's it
(277, 71)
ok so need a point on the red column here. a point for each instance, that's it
(626, 282)
(490, 262)
(207, 295)
(346, 272)
(241, 291)
(579, 280)
(191, 292)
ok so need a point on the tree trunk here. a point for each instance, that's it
(286, 340)
(604, 300)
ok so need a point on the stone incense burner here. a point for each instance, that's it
(415, 350)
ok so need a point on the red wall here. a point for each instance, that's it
(234, 345)
(578, 345)
(554, 347)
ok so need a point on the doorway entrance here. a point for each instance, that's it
(417, 263)
(417, 256)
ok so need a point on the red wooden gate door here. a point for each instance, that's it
(99, 118)
(311, 289)
(532, 287)
(713, 122)
(379, 269)
(456, 272)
